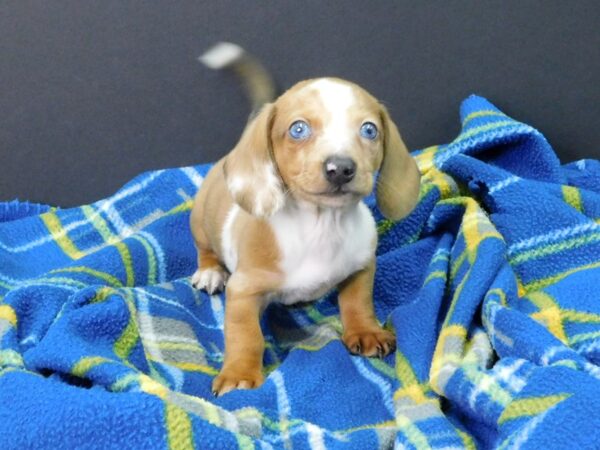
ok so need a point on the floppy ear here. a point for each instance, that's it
(250, 171)
(399, 178)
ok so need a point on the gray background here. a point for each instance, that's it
(94, 92)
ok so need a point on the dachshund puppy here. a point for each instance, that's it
(281, 217)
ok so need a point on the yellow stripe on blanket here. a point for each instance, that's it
(424, 160)
(150, 386)
(410, 384)
(415, 436)
(482, 129)
(526, 407)
(84, 365)
(549, 313)
(467, 440)
(482, 113)
(179, 428)
(572, 315)
(113, 281)
(59, 235)
(103, 229)
(545, 282)
(573, 197)
(8, 314)
(130, 335)
(244, 442)
(443, 355)
(11, 358)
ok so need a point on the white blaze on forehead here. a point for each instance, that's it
(337, 98)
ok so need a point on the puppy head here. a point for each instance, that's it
(322, 142)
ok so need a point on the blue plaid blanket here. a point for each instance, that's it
(492, 286)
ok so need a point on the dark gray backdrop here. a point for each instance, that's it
(94, 92)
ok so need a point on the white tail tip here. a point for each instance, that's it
(221, 55)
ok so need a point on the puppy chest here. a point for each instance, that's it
(315, 257)
(315, 271)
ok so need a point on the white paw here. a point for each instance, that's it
(211, 280)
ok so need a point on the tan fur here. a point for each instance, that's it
(266, 169)
(398, 184)
(362, 333)
(250, 172)
(300, 162)
(211, 205)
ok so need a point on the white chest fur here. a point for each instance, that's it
(320, 249)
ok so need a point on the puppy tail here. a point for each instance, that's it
(258, 83)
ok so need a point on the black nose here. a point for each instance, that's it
(339, 170)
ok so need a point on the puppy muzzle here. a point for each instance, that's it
(339, 170)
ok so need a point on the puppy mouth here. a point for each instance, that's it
(333, 193)
(332, 198)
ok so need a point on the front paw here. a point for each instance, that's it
(373, 341)
(237, 377)
(212, 280)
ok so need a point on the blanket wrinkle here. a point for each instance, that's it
(490, 284)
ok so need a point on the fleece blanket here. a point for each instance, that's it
(492, 286)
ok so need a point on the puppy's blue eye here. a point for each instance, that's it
(368, 130)
(300, 130)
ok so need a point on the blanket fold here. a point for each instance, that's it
(491, 286)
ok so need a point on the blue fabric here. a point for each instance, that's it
(491, 286)
(16, 210)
